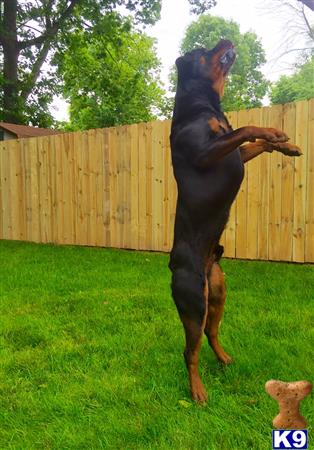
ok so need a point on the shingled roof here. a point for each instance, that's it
(23, 131)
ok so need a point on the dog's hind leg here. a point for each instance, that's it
(189, 290)
(193, 339)
(216, 303)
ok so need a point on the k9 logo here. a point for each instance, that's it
(289, 439)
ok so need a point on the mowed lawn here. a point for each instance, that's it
(91, 352)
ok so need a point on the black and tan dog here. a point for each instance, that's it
(208, 160)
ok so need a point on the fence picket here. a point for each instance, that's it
(301, 136)
(287, 179)
(309, 221)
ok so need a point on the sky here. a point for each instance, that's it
(272, 24)
(261, 16)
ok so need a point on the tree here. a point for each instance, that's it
(299, 86)
(110, 82)
(246, 85)
(30, 31)
(297, 30)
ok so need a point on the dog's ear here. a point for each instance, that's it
(188, 65)
(185, 65)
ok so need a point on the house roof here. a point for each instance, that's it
(23, 131)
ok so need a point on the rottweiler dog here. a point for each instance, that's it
(208, 159)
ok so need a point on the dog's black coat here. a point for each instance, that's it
(205, 194)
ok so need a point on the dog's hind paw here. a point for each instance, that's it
(198, 392)
(224, 358)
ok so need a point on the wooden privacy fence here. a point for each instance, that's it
(114, 187)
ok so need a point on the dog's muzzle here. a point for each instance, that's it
(228, 57)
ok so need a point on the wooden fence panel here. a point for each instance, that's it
(275, 187)
(122, 211)
(229, 235)
(149, 187)
(309, 221)
(287, 182)
(142, 181)
(241, 205)
(5, 190)
(263, 206)
(105, 195)
(168, 180)
(300, 166)
(115, 187)
(15, 179)
(253, 193)
(134, 191)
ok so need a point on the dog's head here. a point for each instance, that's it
(212, 65)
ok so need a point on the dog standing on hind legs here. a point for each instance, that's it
(208, 159)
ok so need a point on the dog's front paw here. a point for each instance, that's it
(273, 135)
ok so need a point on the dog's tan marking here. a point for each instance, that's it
(216, 126)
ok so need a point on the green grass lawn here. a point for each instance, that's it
(91, 352)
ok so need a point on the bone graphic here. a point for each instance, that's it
(289, 396)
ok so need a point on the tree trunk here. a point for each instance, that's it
(10, 61)
(16, 94)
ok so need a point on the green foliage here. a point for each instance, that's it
(299, 86)
(246, 85)
(110, 81)
(36, 107)
(201, 6)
